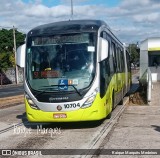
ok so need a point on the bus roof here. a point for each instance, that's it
(67, 26)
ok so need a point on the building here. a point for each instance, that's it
(150, 58)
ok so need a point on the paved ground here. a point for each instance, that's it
(155, 95)
(137, 128)
(17, 133)
(11, 101)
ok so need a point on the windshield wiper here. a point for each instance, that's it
(50, 87)
(76, 90)
(71, 86)
(40, 93)
(44, 91)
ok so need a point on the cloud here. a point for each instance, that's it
(138, 19)
(135, 3)
(132, 19)
(43, 11)
(152, 17)
(35, 13)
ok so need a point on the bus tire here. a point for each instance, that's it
(109, 115)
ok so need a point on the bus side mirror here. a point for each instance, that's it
(20, 56)
(103, 49)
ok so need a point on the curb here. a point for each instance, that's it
(11, 101)
(10, 85)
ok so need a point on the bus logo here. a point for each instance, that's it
(63, 84)
(59, 108)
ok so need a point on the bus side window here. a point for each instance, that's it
(104, 69)
(119, 59)
(113, 47)
(122, 61)
(111, 62)
(104, 76)
(128, 61)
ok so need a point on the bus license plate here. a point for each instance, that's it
(61, 115)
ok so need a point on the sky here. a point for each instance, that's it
(130, 20)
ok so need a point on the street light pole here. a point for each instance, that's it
(72, 9)
(16, 67)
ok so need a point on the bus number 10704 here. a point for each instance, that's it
(72, 105)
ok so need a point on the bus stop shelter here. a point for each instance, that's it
(150, 58)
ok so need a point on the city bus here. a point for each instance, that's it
(74, 70)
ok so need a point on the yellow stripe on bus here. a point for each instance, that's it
(154, 49)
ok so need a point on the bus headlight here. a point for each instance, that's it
(31, 103)
(90, 100)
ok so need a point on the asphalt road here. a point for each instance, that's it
(11, 90)
(132, 132)
(17, 133)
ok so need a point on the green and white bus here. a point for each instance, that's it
(74, 71)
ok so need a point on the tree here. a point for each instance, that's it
(4, 61)
(134, 53)
(7, 57)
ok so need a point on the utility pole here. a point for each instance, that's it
(15, 49)
(71, 9)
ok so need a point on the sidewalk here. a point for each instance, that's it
(137, 128)
(155, 95)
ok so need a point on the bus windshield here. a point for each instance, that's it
(63, 62)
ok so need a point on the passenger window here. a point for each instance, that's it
(113, 47)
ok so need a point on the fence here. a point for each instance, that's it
(8, 77)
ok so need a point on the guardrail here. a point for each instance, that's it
(146, 81)
(149, 85)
